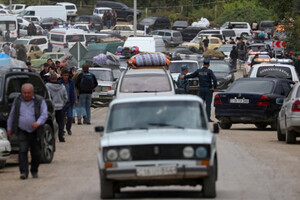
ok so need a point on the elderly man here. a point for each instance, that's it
(26, 119)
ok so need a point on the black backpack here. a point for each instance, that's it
(86, 84)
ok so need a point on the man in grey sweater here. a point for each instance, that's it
(59, 98)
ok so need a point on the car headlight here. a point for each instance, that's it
(3, 134)
(188, 152)
(125, 154)
(228, 77)
(195, 83)
(112, 155)
(201, 152)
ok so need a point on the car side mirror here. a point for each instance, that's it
(216, 128)
(12, 96)
(279, 101)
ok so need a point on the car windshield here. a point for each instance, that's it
(102, 75)
(147, 21)
(266, 24)
(21, 41)
(248, 86)
(258, 48)
(219, 67)
(225, 49)
(274, 72)
(196, 40)
(145, 83)
(131, 116)
(75, 38)
(176, 67)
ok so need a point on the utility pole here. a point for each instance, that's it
(134, 17)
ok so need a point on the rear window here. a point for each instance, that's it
(75, 38)
(57, 38)
(180, 23)
(258, 48)
(176, 67)
(145, 83)
(70, 8)
(274, 72)
(177, 34)
(248, 86)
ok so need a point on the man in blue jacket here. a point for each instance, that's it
(206, 88)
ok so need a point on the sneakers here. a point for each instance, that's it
(84, 120)
(23, 176)
(34, 175)
(62, 140)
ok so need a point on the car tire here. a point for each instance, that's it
(107, 188)
(225, 124)
(129, 18)
(261, 126)
(280, 136)
(2, 164)
(209, 183)
(47, 140)
(290, 137)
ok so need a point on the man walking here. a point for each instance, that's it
(233, 56)
(72, 98)
(205, 43)
(59, 97)
(206, 89)
(26, 119)
(85, 83)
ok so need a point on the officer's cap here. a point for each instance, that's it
(184, 67)
(206, 61)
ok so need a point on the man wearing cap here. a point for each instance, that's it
(206, 89)
(183, 83)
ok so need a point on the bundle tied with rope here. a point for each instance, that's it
(149, 60)
(213, 54)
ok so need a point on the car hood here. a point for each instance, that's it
(220, 75)
(157, 136)
(104, 83)
(141, 94)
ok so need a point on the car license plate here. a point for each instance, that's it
(156, 171)
(239, 100)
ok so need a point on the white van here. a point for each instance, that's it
(65, 37)
(100, 11)
(70, 8)
(46, 11)
(241, 29)
(17, 8)
(9, 22)
(146, 43)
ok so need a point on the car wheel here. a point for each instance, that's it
(107, 188)
(209, 183)
(261, 126)
(2, 164)
(243, 35)
(129, 18)
(225, 124)
(290, 137)
(280, 136)
(47, 140)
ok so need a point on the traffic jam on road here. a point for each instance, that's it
(165, 89)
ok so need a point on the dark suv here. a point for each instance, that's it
(94, 21)
(154, 23)
(123, 11)
(11, 80)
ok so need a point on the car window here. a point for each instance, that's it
(145, 83)
(103, 75)
(18, 7)
(168, 34)
(59, 56)
(70, 7)
(20, 42)
(52, 56)
(42, 41)
(257, 86)
(214, 41)
(176, 67)
(160, 33)
(128, 116)
(274, 72)
(219, 67)
(286, 87)
(228, 33)
(58, 38)
(75, 38)
(239, 26)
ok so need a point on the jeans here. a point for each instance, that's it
(206, 95)
(85, 101)
(68, 110)
(108, 23)
(59, 116)
(28, 141)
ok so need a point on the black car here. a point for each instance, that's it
(180, 25)
(251, 101)
(48, 22)
(11, 80)
(93, 20)
(190, 33)
(123, 11)
(154, 23)
(268, 27)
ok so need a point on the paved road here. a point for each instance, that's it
(252, 165)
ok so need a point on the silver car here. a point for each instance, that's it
(5, 148)
(288, 126)
(157, 140)
(170, 37)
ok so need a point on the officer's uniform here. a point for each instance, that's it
(206, 77)
(183, 83)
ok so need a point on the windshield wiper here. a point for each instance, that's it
(130, 128)
(165, 125)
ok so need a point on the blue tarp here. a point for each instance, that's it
(3, 55)
(12, 63)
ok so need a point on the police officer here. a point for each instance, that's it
(183, 83)
(206, 89)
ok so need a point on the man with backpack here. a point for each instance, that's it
(85, 83)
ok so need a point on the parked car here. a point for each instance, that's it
(225, 34)
(39, 40)
(34, 19)
(288, 128)
(86, 27)
(226, 49)
(5, 147)
(124, 30)
(47, 23)
(33, 51)
(122, 10)
(242, 29)
(190, 33)
(180, 25)
(55, 56)
(70, 8)
(193, 65)
(95, 21)
(100, 11)
(260, 47)
(147, 43)
(251, 101)
(268, 27)
(170, 37)
(156, 149)
(13, 78)
(262, 58)
(144, 82)
(214, 43)
(24, 31)
(17, 8)
(154, 23)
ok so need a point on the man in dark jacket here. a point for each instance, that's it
(233, 56)
(26, 119)
(72, 98)
(85, 83)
